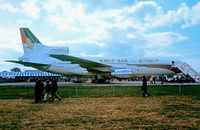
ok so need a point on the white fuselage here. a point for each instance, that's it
(121, 67)
(58, 60)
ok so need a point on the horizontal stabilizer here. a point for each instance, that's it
(30, 64)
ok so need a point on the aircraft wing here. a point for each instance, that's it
(88, 64)
(30, 64)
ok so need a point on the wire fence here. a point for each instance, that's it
(79, 91)
(126, 91)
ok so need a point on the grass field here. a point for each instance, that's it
(96, 108)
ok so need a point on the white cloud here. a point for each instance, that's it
(70, 18)
(142, 17)
(31, 9)
(192, 17)
(50, 5)
(24, 22)
(164, 39)
(97, 33)
(131, 36)
(184, 14)
(143, 9)
(86, 55)
(63, 24)
(9, 39)
(77, 42)
(159, 53)
(73, 18)
(9, 7)
(96, 26)
(167, 19)
(10, 47)
(132, 17)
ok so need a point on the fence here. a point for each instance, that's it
(125, 91)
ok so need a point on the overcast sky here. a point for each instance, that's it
(160, 28)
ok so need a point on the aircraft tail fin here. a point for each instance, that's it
(29, 41)
(28, 36)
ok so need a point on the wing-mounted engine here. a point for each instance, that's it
(122, 73)
(68, 69)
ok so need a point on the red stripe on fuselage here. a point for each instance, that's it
(176, 70)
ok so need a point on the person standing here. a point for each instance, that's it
(54, 90)
(48, 89)
(144, 87)
(39, 88)
(162, 80)
(151, 80)
(154, 80)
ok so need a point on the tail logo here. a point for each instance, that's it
(28, 38)
(30, 45)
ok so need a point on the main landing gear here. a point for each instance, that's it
(100, 80)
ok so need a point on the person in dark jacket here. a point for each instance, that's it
(154, 80)
(48, 89)
(54, 90)
(162, 80)
(144, 87)
(39, 88)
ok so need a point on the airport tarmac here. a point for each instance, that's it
(130, 83)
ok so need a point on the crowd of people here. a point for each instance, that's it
(47, 92)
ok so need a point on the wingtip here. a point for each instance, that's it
(9, 61)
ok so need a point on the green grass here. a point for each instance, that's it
(16, 92)
(27, 92)
(96, 108)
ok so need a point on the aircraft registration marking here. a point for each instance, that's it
(148, 60)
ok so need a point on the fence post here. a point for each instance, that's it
(113, 91)
(76, 91)
(179, 91)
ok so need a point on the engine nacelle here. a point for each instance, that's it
(122, 73)
(68, 69)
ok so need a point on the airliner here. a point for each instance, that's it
(58, 60)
